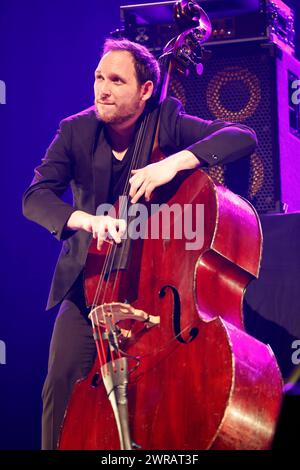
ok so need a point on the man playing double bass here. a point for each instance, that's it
(91, 152)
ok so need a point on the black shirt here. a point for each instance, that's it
(119, 172)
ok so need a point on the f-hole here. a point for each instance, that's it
(177, 314)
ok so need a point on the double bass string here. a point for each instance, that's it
(110, 257)
(133, 163)
(163, 61)
(109, 260)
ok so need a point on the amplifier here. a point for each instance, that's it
(152, 24)
(255, 85)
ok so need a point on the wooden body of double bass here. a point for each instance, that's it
(197, 380)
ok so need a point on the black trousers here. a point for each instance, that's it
(71, 356)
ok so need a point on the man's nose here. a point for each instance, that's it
(105, 89)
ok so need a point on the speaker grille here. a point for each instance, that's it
(239, 85)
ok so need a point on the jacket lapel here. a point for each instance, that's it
(101, 166)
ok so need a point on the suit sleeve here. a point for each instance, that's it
(42, 201)
(214, 142)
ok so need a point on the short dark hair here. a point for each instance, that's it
(146, 65)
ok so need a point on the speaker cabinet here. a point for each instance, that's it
(251, 83)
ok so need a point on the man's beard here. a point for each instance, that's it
(118, 116)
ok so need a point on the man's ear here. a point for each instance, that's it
(147, 90)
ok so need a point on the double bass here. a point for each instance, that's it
(175, 368)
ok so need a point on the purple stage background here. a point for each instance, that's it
(48, 50)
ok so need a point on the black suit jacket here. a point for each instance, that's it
(71, 160)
